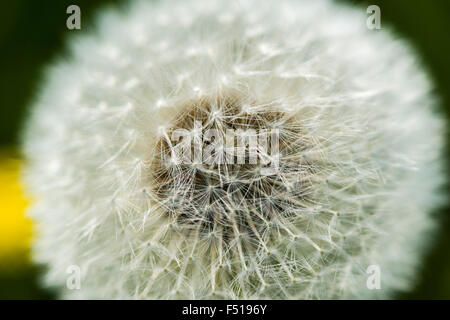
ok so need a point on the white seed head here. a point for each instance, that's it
(356, 165)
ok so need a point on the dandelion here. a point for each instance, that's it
(352, 180)
(15, 229)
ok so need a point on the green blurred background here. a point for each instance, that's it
(32, 33)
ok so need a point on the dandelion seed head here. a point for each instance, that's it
(354, 176)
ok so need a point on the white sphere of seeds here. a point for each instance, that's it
(350, 186)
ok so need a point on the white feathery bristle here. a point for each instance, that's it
(358, 155)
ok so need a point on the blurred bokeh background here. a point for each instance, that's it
(32, 34)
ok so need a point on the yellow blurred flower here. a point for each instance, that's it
(15, 228)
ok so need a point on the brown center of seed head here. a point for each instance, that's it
(222, 186)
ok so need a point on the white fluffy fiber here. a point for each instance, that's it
(363, 104)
